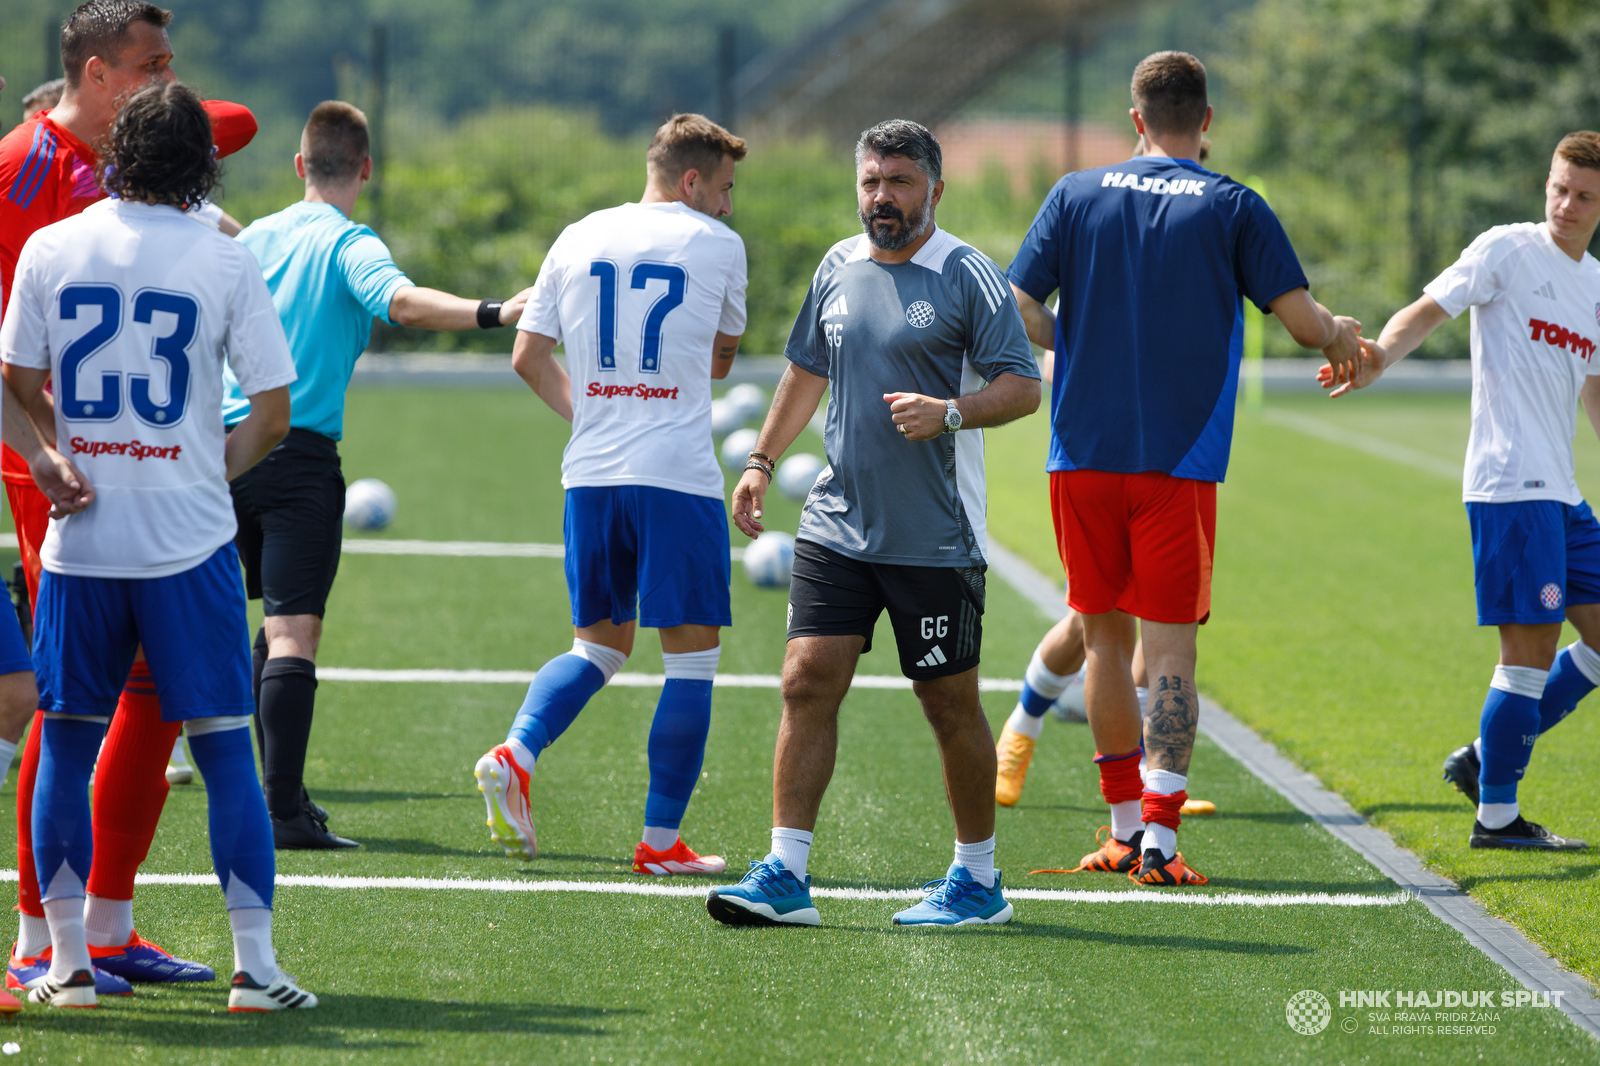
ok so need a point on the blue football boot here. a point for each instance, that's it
(770, 894)
(30, 973)
(956, 899)
(140, 960)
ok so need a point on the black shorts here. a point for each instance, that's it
(936, 611)
(290, 508)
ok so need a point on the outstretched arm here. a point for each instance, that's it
(534, 360)
(793, 404)
(62, 483)
(422, 308)
(1314, 326)
(1402, 335)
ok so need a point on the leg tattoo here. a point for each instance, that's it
(1169, 728)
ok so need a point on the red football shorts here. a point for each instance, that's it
(1138, 543)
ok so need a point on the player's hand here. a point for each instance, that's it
(62, 483)
(748, 497)
(511, 310)
(1345, 350)
(919, 417)
(1370, 364)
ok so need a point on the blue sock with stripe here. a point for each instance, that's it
(678, 742)
(1508, 728)
(236, 812)
(63, 834)
(1571, 679)
(558, 693)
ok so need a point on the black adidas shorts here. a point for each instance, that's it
(936, 611)
(290, 508)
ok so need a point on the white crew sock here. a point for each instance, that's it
(519, 751)
(793, 846)
(659, 837)
(1025, 724)
(69, 951)
(1126, 819)
(1497, 815)
(252, 943)
(1156, 835)
(179, 756)
(8, 752)
(978, 859)
(108, 923)
(33, 936)
(1042, 679)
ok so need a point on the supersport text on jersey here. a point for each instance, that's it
(1535, 322)
(638, 293)
(133, 362)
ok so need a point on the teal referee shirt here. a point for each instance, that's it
(329, 278)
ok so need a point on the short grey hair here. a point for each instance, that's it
(907, 139)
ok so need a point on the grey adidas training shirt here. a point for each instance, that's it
(944, 324)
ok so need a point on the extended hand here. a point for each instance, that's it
(62, 483)
(919, 417)
(511, 310)
(748, 496)
(1346, 347)
(1369, 367)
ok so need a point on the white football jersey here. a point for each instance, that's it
(133, 308)
(1535, 326)
(637, 294)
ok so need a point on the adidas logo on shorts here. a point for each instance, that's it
(933, 658)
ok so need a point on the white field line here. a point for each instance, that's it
(625, 679)
(1361, 442)
(698, 891)
(459, 548)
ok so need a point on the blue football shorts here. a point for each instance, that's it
(1533, 559)
(192, 624)
(14, 654)
(646, 552)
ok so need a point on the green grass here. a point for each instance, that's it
(491, 977)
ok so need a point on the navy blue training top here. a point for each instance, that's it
(1153, 258)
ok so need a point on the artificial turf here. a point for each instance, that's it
(464, 976)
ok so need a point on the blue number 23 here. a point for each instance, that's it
(172, 349)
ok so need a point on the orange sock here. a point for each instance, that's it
(130, 786)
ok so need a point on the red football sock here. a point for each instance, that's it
(130, 786)
(1119, 776)
(28, 901)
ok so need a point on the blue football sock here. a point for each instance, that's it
(1509, 726)
(677, 749)
(559, 690)
(63, 834)
(1041, 686)
(1033, 702)
(1566, 686)
(241, 833)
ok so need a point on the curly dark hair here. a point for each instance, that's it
(161, 150)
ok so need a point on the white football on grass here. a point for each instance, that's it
(369, 504)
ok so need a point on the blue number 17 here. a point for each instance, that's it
(650, 334)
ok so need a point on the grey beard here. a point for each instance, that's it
(911, 229)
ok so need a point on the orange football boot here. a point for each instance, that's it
(677, 859)
(1113, 855)
(1172, 872)
(1013, 753)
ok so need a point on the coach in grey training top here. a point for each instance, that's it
(920, 340)
(943, 324)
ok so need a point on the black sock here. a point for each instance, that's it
(288, 694)
(258, 659)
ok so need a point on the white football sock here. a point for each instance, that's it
(1025, 724)
(108, 923)
(659, 837)
(1042, 680)
(8, 752)
(69, 951)
(793, 847)
(252, 943)
(524, 758)
(1126, 819)
(1477, 749)
(978, 859)
(33, 936)
(1497, 815)
(607, 660)
(179, 756)
(1156, 835)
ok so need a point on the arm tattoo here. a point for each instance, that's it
(1169, 728)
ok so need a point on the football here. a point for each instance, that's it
(736, 448)
(769, 562)
(369, 505)
(726, 416)
(798, 473)
(749, 399)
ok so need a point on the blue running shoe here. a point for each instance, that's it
(140, 960)
(956, 899)
(30, 973)
(770, 894)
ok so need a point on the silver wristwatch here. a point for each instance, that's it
(952, 417)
